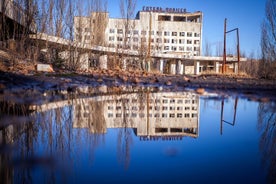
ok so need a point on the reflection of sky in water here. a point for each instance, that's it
(231, 157)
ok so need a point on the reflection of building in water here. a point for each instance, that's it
(150, 114)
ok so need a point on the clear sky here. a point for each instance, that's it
(247, 15)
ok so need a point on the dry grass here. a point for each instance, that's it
(13, 62)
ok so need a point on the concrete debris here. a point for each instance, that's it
(44, 68)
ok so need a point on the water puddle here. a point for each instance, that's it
(136, 135)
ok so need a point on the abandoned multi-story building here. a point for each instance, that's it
(154, 29)
(169, 40)
(149, 114)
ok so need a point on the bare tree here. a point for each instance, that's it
(267, 128)
(268, 42)
(127, 9)
(207, 48)
(250, 66)
(219, 49)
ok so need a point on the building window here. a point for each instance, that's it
(111, 38)
(189, 48)
(181, 48)
(164, 108)
(120, 31)
(161, 130)
(186, 115)
(159, 33)
(157, 101)
(189, 34)
(166, 40)
(196, 35)
(111, 30)
(110, 107)
(174, 33)
(157, 108)
(174, 41)
(174, 48)
(166, 48)
(172, 108)
(164, 115)
(179, 115)
(166, 33)
(189, 42)
(196, 42)
(172, 115)
(181, 41)
(165, 101)
(196, 48)
(182, 34)
(158, 40)
(152, 32)
(110, 115)
(156, 115)
(119, 38)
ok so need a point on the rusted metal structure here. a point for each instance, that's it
(224, 46)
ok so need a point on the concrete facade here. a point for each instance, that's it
(151, 114)
(151, 31)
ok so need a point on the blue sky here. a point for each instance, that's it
(246, 15)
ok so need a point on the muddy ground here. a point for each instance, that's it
(40, 83)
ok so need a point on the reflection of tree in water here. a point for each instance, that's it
(89, 115)
(267, 127)
(46, 140)
(97, 125)
(125, 139)
(19, 132)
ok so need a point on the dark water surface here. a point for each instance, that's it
(139, 137)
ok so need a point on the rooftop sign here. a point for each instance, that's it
(164, 10)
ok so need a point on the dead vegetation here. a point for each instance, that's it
(11, 61)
